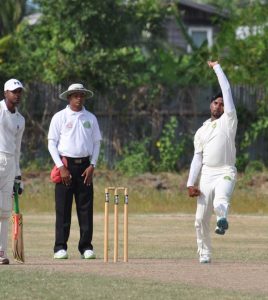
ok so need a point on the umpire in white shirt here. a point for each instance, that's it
(12, 125)
(214, 157)
(74, 133)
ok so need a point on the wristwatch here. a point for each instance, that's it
(93, 165)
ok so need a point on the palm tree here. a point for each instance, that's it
(11, 13)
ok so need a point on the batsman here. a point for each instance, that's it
(214, 159)
(12, 125)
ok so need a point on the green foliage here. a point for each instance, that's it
(242, 161)
(121, 45)
(107, 43)
(113, 45)
(245, 118)
(254, 166)
(257, 128)
(36, 165)
(245, 58)
(135, 159)
(245, 61)
(169, 147)
(254, 126)
(190, 66)
(102, 162)
(11, 14)
(254, 175)
(5, 44)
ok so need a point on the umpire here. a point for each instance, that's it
(74, 134)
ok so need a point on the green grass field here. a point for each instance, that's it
(162, 247)
(150, 193)
(162, 262)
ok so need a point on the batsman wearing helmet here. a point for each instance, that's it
(214, 160)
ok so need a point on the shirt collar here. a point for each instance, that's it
(3, 103)
(72, 112)
(210, 121)
(207, 121)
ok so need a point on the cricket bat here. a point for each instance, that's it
(17, 230)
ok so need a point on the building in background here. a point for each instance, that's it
(200, 22)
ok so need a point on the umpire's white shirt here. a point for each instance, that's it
(11, 130)
(216, 140)
(73, 133)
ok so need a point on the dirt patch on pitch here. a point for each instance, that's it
(238, 276)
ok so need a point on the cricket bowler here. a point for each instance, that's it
(214, 160)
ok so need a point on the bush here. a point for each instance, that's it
(254, 166)
(135, 159)
(242, 161)
(170, 147)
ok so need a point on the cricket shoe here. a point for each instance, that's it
(204, 259)
(88, 254)
(222, 225)
(4, 261)
(61, 254)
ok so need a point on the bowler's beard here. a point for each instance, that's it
(216, 114)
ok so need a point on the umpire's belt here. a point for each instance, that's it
(78, 160)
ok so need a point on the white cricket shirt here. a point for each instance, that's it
(73, 134)
(216, 140)
(11, 130)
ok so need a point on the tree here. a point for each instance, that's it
(117, 46)
(245, 54)
(97, 40)
(242, 46)
(113, 45)
(11, 14)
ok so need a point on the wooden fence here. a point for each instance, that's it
(123, 121)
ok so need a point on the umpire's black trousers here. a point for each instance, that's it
(83, 195)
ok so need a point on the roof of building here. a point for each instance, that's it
(203, 7)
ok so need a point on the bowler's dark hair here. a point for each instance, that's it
(219, 95)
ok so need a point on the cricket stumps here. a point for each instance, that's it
(116, 191)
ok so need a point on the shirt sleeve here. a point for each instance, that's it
(195, 169)
(198, 145)
(95, 154)
(53, 139)
(96, 131)
(17, 151)
(96, 142)
(229, 122)
(225, 88)
(53, 150)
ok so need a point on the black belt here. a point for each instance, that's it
(78, 160)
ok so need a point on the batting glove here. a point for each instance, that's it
(18, 184)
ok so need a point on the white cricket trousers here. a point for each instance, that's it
(7, 176)
(216, 187)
